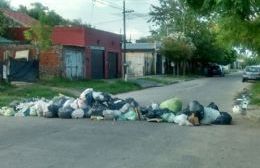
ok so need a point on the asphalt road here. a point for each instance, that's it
(56, 143)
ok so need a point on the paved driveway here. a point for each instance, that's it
(56, 143)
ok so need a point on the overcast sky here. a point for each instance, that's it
(103, 14)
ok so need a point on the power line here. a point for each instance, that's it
(108, 4)
(115, 20)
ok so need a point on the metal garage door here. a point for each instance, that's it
(22, 70)
(159, 64)
(112, 64)
(97, 64)
(74, 63)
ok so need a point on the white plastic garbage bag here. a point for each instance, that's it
(76, 114)
(7, 111)
(75, 104)
(210, 115)
(111, 114)
(24, 112)
(237, 109)
(84, 93)
(125, 108)
(33, 111)
(68, 102)
(182, 120)
(82, 104)
(98, 96)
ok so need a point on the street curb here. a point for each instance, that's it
(253, 113)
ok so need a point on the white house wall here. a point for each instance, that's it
(140, 63)
(136, 63)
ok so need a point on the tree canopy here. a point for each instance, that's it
(176, 16)
(237, 21)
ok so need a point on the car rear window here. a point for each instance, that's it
(253, 69)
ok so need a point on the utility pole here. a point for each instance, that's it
(124, 40)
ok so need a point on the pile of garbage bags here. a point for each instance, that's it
(103, 106)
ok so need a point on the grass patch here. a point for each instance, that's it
(52, 87)
(110, 86)
(255, 90)
(168, 79)
(11, 93)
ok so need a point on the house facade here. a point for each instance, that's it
(83, 53)
(144, 59)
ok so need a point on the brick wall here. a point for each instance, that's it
(70, 36)
(51, 62)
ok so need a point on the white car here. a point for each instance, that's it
(251, 73)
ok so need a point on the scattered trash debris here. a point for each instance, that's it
(241, 103)
(103, 106)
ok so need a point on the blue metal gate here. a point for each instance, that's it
(74, 63)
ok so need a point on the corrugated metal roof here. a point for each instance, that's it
(142, 46)
(19, 17)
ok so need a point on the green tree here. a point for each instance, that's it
(238, 21)
(3, 24)
(3, 21)
(178, 49)
(40, 37)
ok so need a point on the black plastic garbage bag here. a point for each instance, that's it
(116, 104)
(144, 110)
(89, 100)
(132, 102)
(65, 112)
(59, 101)
(97, 109)
(224, 119)
(54, 107)
(52, 111)
(107, 97)
(13, 104)
(195, 108)
(213, 105)
(87, 112)
(156, 113)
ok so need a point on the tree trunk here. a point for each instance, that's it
(184, 68)
(178, 68)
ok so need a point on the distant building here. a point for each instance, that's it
(144, 59)
(80, 53)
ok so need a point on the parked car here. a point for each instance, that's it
(251, 73)
(214, 69)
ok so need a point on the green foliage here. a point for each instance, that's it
(255, 90)
(251, 61)
(238, 21)
(3, 24)
(177, 48)
(3, 21)
(49, 17)
(40, 36)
